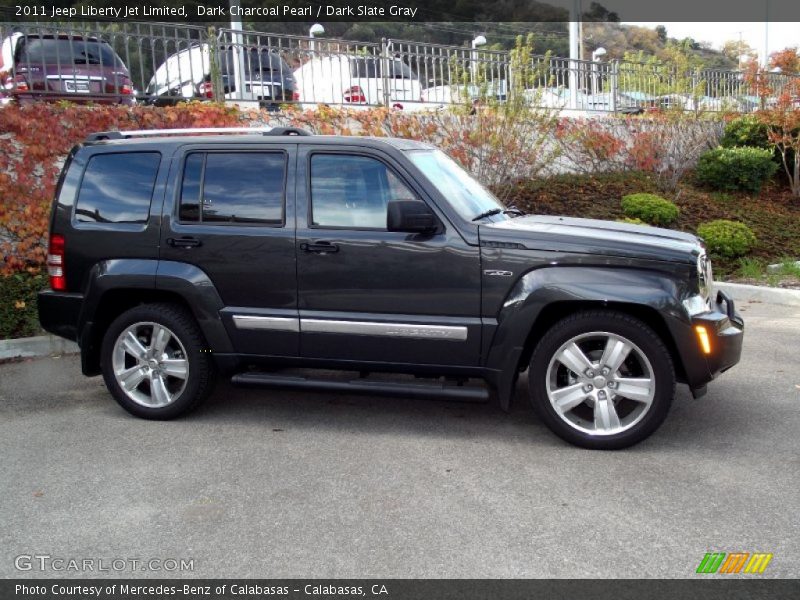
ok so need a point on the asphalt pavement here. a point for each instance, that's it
(264, 483)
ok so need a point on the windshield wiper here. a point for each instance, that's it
(488, 213)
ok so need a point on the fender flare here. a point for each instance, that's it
(185, 280)
(541, 288)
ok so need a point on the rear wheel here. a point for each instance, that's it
(602, 379)
(154, 363)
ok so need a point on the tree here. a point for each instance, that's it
(783, 130)
(598, 12)
(787, 60)
(662, 33)
(738, 50)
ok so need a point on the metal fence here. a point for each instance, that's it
(165, 63)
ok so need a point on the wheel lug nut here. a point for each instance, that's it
(589, 373)
(605, 371)
(588, 387)
(601, 394)
(612, 384)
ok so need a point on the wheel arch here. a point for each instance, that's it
(117, 286)
(545, 296)
(556, 311)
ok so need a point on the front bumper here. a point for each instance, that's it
(724, 329)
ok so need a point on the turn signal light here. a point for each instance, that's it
(702, 337)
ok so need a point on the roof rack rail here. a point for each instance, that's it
(121, 135)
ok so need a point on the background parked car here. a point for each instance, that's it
(63, 67)
(465, 93)
(187, 74)
(356, 80)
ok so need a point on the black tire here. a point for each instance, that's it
(201, 376)
(617, 324)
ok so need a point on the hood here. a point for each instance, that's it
(592, 236)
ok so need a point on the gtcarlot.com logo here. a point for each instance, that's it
(734, 562)
(45, 562)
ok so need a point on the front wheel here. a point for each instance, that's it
(602, 380)
(154, 361)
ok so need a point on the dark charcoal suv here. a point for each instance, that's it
(174, 258)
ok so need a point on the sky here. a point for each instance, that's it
(781, 35)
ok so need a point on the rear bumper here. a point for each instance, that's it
(59, 313)
(725, 330)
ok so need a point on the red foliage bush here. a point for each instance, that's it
(34, 142)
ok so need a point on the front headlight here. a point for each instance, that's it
(705, 278)
(701, 302)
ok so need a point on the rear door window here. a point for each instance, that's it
(233, 187)
(116, 188)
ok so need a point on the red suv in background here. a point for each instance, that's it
(63, 67)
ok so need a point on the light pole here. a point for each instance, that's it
(238, 52)
(765, 61)
(478, 41)
(316, 29)
(574, 52)
(595, 67)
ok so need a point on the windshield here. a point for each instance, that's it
(75, 51)
(466, 195)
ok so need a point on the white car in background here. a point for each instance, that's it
(187, 75)
(465, 93)
(356, 81)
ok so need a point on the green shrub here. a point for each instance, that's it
(18, 317)
(731, 169)
(631, 221)
(727, 238)
(650, 208)
(746, 131)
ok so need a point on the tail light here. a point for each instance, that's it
(55, 263)
(355, 94)
(124, 89)
(206, 90)
(16, 84)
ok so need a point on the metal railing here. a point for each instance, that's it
(164, 63)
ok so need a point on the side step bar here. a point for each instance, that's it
(360, 386)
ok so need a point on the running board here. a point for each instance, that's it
(360, 386)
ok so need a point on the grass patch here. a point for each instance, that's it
(751, 268)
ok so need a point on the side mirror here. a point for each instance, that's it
(412, 216)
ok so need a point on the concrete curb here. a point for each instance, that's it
(756, 293)
(43, 345)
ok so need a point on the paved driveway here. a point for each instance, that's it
(264, 483)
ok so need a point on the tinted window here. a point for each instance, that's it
(371, 68)
(190, 191)
(233, 187)
(255, 62)
(116, 188)
(69, 51)
(352, 191)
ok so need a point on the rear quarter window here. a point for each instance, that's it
(116, 188)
